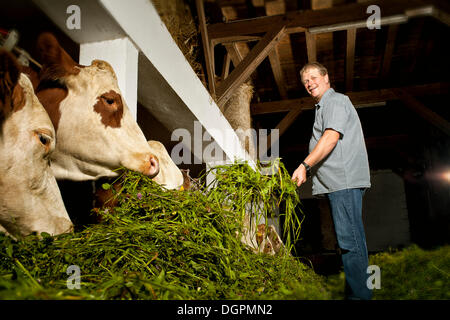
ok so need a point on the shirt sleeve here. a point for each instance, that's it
(335, 115)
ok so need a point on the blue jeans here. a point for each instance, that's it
(346, 209)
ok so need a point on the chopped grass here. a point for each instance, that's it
(165, 244)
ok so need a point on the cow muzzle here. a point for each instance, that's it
(152, 168)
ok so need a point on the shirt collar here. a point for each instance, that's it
(324, 97)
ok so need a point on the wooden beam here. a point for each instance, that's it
(274, 59)
(249, 64)
(273, 8)
(234, 53)
(418, 107)
(358, 99)
(389, 50)
(284, 124)
(226, 65)
(390, 142)
(350, 59)
(441, 11)
(311, 46)
(300, 21)
(208, 49)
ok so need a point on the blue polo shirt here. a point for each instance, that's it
(347, 166)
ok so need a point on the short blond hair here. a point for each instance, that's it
(314, 65)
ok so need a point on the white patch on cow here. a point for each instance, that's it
(169, 175)
(29, 196)
(86, 148)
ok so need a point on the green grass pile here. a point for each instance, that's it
(166, 244)
(412, 273)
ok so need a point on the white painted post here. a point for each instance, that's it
(123, 57)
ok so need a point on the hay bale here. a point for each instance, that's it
(177, 16)
(237, 111)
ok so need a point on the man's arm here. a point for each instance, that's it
(323, 148)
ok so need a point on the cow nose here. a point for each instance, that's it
(153, 168)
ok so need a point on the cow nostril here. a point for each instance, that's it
(154, 167)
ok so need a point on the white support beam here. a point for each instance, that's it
(150, 35)
(123, 57)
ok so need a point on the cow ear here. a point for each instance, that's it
(9, 76)
(57, 63)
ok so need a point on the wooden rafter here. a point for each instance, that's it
(207, 47)
(418, 107)
(389, 142)
(284, 124)
(350, 59)
(300, 21)
(249, 64)
(358, 99)
(441, 11)
(389, 50)
(235, 55)
(275, 8)
(237, 51)
(226, 65)
(311, 46)
(274, 59)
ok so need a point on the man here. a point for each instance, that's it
(341, 171)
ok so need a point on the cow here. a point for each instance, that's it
(95, 131)
(30, 200)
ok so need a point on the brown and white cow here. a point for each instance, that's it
(95, 130)
(30, 200)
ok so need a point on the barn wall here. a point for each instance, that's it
(385, 213)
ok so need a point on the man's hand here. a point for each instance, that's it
(299, 175)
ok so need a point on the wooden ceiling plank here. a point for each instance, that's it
(358, 98)
(350, 59)
(298, 21)
(208, 49)
(389, 50)
(249, 64)
(419, 108)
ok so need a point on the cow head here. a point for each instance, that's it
(29, 196)
(96, 132)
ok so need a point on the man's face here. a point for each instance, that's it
(315, 83)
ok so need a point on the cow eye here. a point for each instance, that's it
(45, 140)
(108, 100)
(44, 136)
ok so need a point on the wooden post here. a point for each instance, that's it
(350, 59)
(249, 64)
(208, 49)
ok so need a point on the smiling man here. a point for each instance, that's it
(341, 172)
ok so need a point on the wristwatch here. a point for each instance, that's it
(308, 168)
